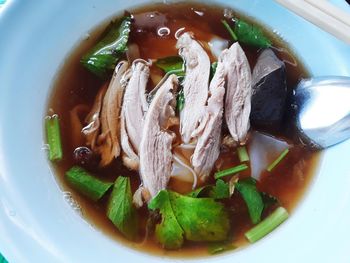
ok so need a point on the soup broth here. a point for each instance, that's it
(153, 30)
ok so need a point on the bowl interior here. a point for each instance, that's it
(38, 223)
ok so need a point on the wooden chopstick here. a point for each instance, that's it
(319, 12)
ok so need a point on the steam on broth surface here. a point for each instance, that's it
(154, 34)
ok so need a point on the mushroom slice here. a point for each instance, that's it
(109, 146)
(195, 84)
(209, 131)
(133, 112)
(156, 144)
(238, 92)
(92, 129)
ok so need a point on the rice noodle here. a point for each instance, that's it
(178, 160)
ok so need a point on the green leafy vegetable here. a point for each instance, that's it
(229, 29)
(198, 219)
(172, 65)
(53, 134)
(219, 247)
(233, 170)
(242, 154)
(267, 225)
(247, 188)
(103, 57)
(120, 208)
(250, 34)
(218, 191)
(221, 190)
(180, 100)
(169, 232)
(86, 184)
(247, 34)
(278, 160)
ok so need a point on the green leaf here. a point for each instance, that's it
(219, 247)
(203, 191)
(103, 57)
(86, 184)
(198, 219)
(247, 188)
(180, 100)
(120, 209)
(173, 64)
(202, 219)
(251, 35)
(221, 190)
(169, 232)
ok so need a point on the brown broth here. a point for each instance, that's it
(75, 85)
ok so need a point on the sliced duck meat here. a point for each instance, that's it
(238, 92)
(93, 127)
(133, 112)
(209, 131)
(269, 91)
(156, 144)
(195, 85)
(109, 146)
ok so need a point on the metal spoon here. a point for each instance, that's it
(323, 110)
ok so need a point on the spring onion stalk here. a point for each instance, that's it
(229, 29)
(278, 160)
(242, 154)
(267, 225)
(86, 184)
(52, 126)
(233, 170)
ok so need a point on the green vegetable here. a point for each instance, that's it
(53, 134)
(251, 35)
(233, 170)
(229, 29)
(247, 34)
(198, 219)
(219, 247)
(86, 184)
(169, 232)
(242, 154)
(121, 210)
(278, 160)
(247, 188)
(218, 191)
(172, 65)
(267, 225)
(103, 57)
(221, 190)
(180, 100)
(213, 67)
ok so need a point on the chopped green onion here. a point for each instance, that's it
(278, 160)
(53, 137)
(267, 225)
(180, 100)
(242, 154)
(233, 170)
(229, 29)
(86, 184)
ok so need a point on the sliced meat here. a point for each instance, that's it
(269, 91)
(156, 143)
(109, 146)
(238, 92)
(133, 112)
(209, 132)
(92, 129)
(195, 84)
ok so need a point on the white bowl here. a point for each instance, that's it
(38, 225)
